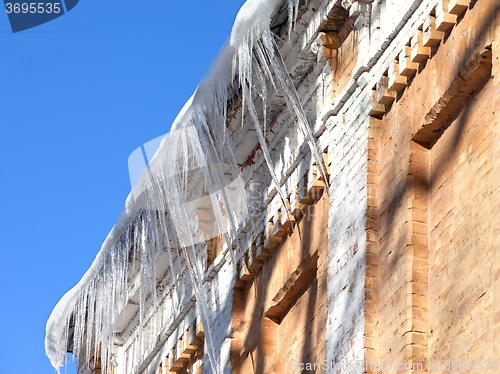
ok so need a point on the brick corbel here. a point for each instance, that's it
(445, 109)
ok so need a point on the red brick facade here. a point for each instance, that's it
(432, 217)
(436, 218)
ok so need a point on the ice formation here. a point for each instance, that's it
(194, 172)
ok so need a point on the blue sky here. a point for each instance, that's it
(78, 95)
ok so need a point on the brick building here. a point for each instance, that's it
(398, 262)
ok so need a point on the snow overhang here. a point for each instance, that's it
(314, 16)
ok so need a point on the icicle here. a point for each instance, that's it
(293, 11)
(265, 150)
(197, 164)
(291, 96)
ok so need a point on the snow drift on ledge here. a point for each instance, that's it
(194, 167)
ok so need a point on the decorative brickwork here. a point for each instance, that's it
(279, 315)
(436, 265)
(398, 262)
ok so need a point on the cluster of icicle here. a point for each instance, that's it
(193, 169)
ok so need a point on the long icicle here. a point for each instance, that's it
(96, 310)
(291, 96)
(265, 150)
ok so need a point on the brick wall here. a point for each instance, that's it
(399, 263)
(347, 240)
(436, 226)
(279, 314)
(345, 58)
(462, 252)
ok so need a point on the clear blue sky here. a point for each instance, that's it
(78, 95)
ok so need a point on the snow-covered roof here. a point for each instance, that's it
(246, 63)
(253, 18)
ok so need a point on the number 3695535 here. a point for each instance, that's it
(33, 7)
